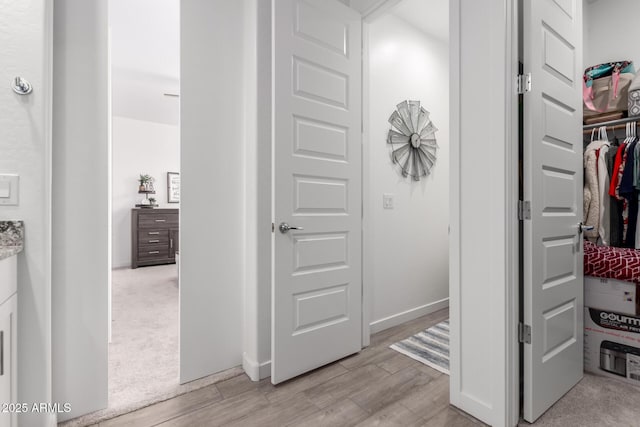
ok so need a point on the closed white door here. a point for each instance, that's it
(553, 275)
(317, 283)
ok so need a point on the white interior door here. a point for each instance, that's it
(317, 284)
(553, 274)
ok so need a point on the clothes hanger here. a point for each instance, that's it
(628, 133)
(603, 136)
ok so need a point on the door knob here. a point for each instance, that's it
(21, 86)
(284, 228)
(582, 227)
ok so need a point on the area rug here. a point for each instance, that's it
(430, 347)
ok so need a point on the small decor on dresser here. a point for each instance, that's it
(146, 188)
(146, 183)
(412, 140)
(173, 187)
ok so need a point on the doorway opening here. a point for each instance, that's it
(596, 293)
(410, 236)
(406, 241)
(145, 200)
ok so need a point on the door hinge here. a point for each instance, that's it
(524, 333)
(524, 209)
(273, 227)
(523, 83)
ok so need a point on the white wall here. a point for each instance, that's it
(213, 182)
(407, 248)
(80, 250)
(257, 154)
(145, 59)
(484, 180)
(609, 32)
(139, 147)
(25, 149)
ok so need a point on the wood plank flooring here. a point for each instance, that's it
(376, 387)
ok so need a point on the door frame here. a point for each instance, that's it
(50, 320)
(256, 356)
(379, 9)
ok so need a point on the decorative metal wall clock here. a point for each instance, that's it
(412, 140)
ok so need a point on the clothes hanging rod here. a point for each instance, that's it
(615, 124)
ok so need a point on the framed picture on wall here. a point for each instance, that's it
(173, 187)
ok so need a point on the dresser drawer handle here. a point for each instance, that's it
(154, 241)
(153, 252)
(161, 220)
(154, 233)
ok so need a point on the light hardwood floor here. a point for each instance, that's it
(376, 387)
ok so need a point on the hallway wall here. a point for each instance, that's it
(407, 251)
(212, 268)
(25, 149)
(80, 249)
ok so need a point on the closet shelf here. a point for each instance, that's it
(611, 125)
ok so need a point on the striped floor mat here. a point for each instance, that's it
(430, 347)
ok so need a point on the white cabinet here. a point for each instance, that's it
(8, 342)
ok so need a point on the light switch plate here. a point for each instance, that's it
(9, 190)
(5, 189)
(387, 201)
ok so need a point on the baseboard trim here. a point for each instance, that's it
(405, 316)
(256, 371)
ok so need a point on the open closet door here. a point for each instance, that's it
(553, 264)
(317, 283)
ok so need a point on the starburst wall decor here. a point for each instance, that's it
(412, 140)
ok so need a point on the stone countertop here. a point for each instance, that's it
(11, 238)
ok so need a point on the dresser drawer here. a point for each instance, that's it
(153, 252)
(158, 221)
(153, 236)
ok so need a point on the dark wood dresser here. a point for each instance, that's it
(154, 236)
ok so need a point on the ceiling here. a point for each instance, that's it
(429, 16)
(145, 50)
(145, 59)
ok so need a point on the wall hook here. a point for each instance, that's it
(21, 86)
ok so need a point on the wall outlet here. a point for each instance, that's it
(387, 201)
(9, 190)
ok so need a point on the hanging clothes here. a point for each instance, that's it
(627, 190)
(603, 196)
(591, 193)
(616, 173)
(636, 183)
(614, 161)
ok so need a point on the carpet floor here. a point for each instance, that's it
(144, 364)
(595, 402)
(144, 353)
